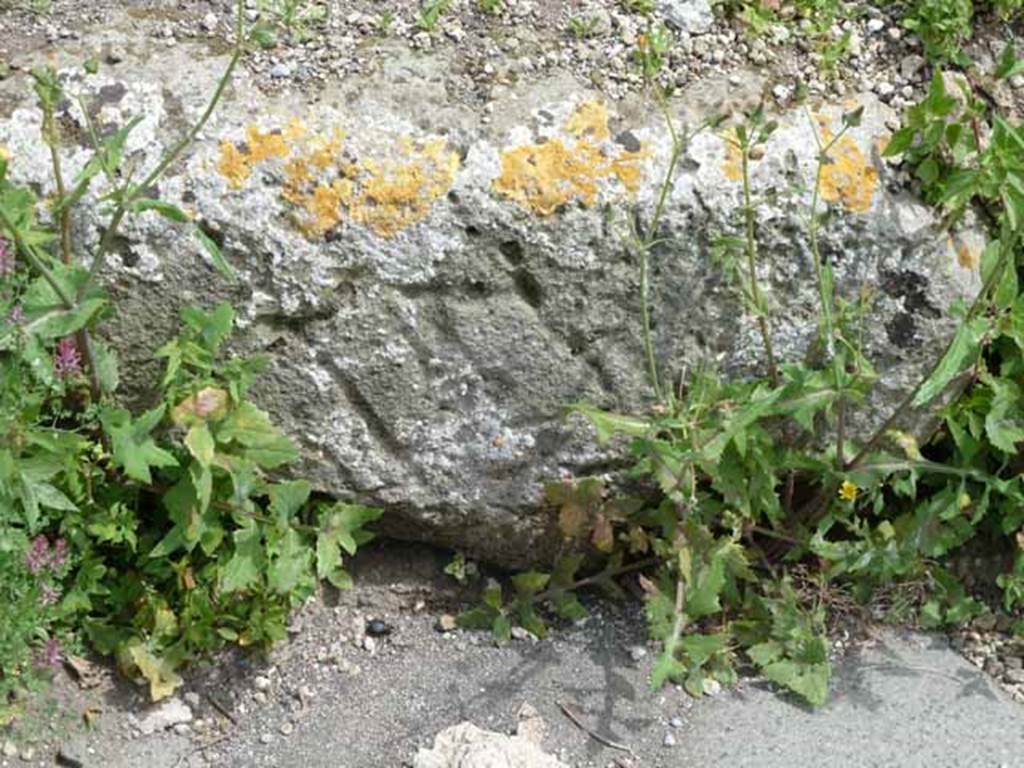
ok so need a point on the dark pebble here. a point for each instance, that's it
(378, 628)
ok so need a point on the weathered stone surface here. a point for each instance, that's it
(434, 288)
(466, 746)
(693, 16)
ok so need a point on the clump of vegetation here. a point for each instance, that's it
(749, 501)
(157, 536)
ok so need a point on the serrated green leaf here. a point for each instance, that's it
(133, 448)
(247, 562)
(200, 444)
(287, 499)
(250, 427)
(290, 564)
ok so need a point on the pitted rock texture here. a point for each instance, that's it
(466, 746)
(435, 284)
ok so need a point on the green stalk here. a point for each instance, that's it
(130, 194)
(644, 244)
(825, 294)
(751, 251)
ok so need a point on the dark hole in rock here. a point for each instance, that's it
(472, 231)
(213, 234)
(512, 251)
(902, 330)
(529, 288)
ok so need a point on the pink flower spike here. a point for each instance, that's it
(66, 360)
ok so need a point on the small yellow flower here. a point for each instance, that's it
(848, 491)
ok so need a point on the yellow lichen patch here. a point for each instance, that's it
(296, 176)
(391, 195)
(732, 167)
(590, 121)
(968, 250)
(324, 207)
(849, 178)
(264, 146)
(543, 177)
(295, 129)
(324, 151)
(234, 164)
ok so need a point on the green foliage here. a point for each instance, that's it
(493, 7)
(430, 14)
(734, 483)
(942, 26)
(158, 536)
(583, 27)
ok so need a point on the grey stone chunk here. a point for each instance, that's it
(423, 356)
(691, 16)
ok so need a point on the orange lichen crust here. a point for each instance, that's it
(849, 178)
(386, 196)
(732, 166)
(543, 177)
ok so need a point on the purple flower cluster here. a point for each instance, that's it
(50, 654)
(41, 556)
(67, 362)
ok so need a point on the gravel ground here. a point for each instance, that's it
(531, 38)
(336, 696)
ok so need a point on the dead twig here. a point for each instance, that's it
(201, 748)
(592, 734)
(222, 709)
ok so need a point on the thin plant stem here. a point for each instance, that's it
(825, 292)
(751, 251)
(644, 243)
(82, 340)
(35, 261)
(130, 194)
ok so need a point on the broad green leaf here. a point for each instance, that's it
(501, 628)
(52, 498)
(290, 564)
(609, 425)
(808, 680)
(57, 321)
(703, 591)
(248, 426)
(530, 582)
(133, 448)
(287, 499)
(200, 444)
(666, 668)
(246, 564)
(962, 353)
